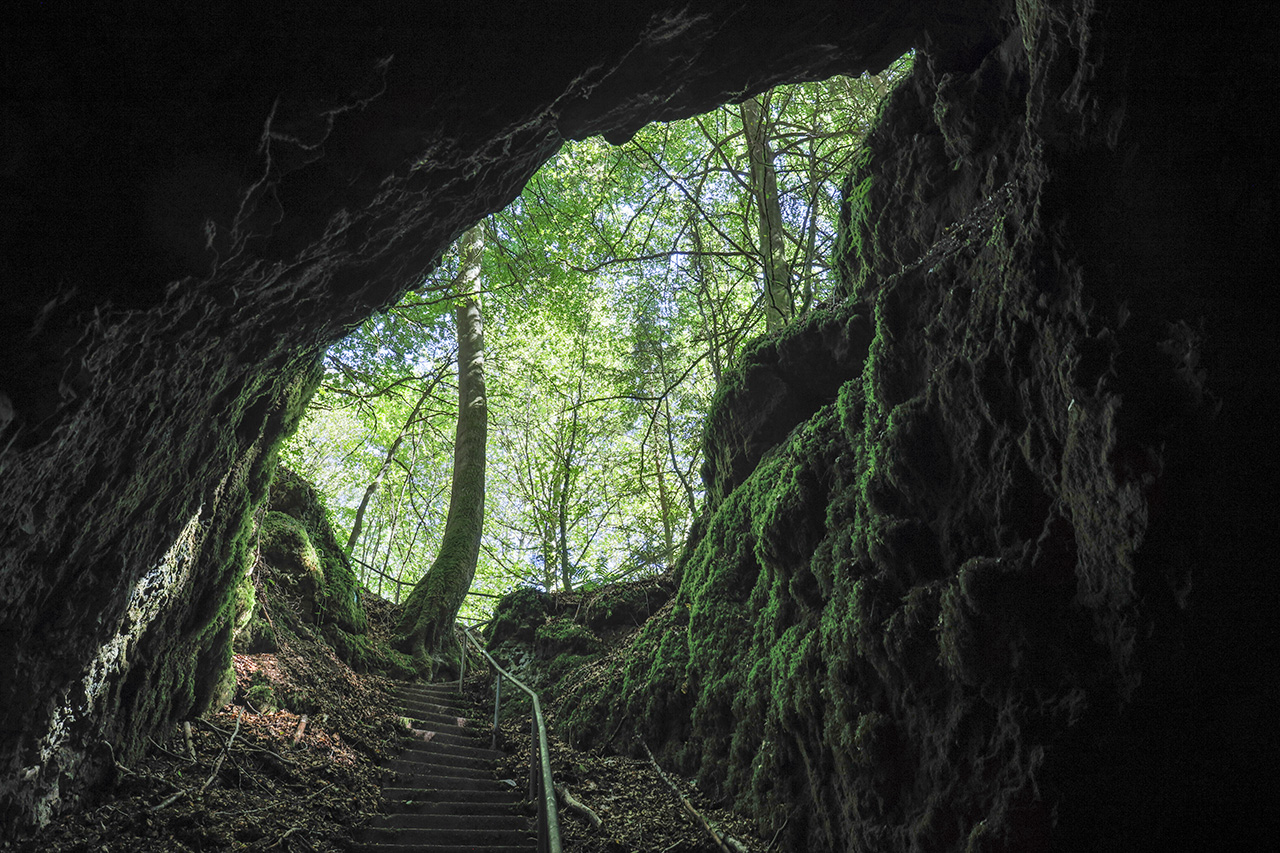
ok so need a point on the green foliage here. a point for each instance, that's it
(622, 284)
(260, 694)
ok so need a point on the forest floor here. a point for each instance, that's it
(306, 777)
(300, 778)
(639, 812)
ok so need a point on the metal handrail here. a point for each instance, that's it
(542, 788)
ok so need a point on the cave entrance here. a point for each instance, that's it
(616, 289)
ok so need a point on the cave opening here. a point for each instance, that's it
(617, 290)
(978, 565)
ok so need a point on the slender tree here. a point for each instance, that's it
(426, 628)
(779, 302)
(411, 422)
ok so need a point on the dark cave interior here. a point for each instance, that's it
(983, 561)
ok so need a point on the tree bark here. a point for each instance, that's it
(358, 525)
(778, 300)
(425, 630)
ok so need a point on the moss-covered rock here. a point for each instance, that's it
(284, 544)
(339, 595)
(518, 615)
(927, 575)
(258, 635)
(563, 635)
(547, 638)
(261, 694)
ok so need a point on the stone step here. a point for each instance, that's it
(446, 735)
(415, 799)
(435, 706)
(443, 756)
(384, 847)
(446, 696)
(432, 769)
(436, 718)
(434, 781)
(410, 820)
(442, 794)
(432, 747)
(432, 838)
(426, 687)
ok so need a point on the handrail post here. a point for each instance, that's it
(535, 772)
(497, 703)
(462, 667)
(541, 785)
(535, 764)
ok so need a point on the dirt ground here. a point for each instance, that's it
(305, 778)
(252, 779)
(638, 811)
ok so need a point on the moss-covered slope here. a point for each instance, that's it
(301, 574)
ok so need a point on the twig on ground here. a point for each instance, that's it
(302, 726)
(246, 745)
(170, 800)
(774, 840)
(688, 807)
(217, 765)
(319, 791)
(573, 803)
(616, 730)
(186, 735)
(120, 768)
(167, 752)
(279, 842)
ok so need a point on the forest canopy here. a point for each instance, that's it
(615, 290)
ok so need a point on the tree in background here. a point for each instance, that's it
(779, 301)
(426, 627)
(618, 288)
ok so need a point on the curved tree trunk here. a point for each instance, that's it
(357, 526)
(425, 630)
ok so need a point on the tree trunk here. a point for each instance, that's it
(668, 512)
(426, 629)
(778, 304)
(358, 525)
(566, 482)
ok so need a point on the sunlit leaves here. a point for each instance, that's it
(617, 289)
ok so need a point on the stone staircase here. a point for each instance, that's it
(444, 797)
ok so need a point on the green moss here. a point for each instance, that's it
(557, 636)
(624, 604)
(258, 635)
(246, 603)
(853, 248)
(338, 597)
(286, 543)
(261, 695)
(396, 664)
(193, 649)
(518, 615)
(733, 691)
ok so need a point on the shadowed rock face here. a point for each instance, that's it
(1050, 474)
